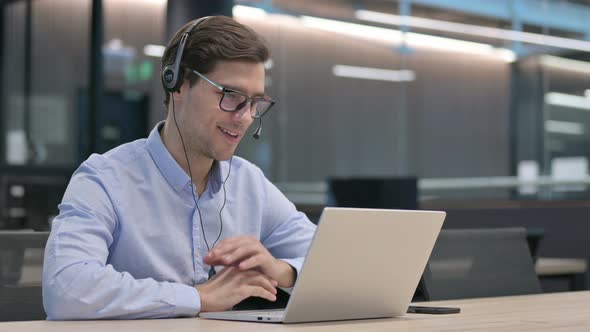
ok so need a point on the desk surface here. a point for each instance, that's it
(557, 311)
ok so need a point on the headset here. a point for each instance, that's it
(172, 77)
(171, 74)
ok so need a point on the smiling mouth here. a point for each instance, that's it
(230, 133)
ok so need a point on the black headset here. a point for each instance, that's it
(172, 75)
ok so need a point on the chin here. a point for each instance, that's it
(224, 155)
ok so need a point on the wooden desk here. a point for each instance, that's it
(568, 311)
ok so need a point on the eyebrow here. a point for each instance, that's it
(233, 87)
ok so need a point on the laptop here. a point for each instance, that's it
(362, 263)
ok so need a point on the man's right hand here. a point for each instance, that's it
(231, 286)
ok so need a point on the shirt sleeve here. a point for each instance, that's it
(288, 232)
(77, 281)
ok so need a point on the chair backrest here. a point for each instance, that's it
(376, 193)
(470, 263)
(21, 266)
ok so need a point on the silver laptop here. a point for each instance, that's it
(362, 263)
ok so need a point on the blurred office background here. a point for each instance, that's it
(477, 107)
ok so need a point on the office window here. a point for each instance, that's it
(45, 61)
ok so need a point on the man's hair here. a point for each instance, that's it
(216, 38)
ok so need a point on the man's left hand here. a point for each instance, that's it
(247, 253)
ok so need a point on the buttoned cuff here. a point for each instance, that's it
(187, 301)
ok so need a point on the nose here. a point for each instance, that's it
(245, 110)
(243, 114)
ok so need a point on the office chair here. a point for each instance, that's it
(470, 263)
(20, 275)
(375, 193)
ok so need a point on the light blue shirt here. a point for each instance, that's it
(128, 243)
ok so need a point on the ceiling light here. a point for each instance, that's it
(388, 36)
(391, 36)
(566, 100)
(473, 30)
(566, 64)
(374, 73)
(154, 50)
(564, 127)
(247, 11)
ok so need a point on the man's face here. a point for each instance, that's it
(207, 130)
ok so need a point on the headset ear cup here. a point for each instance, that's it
(170, 79)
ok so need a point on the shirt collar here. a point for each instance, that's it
(171, 170)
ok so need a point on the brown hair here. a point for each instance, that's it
(216, 38)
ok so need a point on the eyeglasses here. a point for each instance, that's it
(233, 100)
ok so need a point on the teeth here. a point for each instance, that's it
(229, 133)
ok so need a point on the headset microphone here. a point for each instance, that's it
(258, 130)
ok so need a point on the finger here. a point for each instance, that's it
(252, 262)
(228, 245)
(253, 278)
(243, 253)
(236, 256)
(261, 292)
(232, 242)
(263, 281)
(227, 270)
(230, 258)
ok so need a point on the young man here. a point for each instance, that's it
(142, 226)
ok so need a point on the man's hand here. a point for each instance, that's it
(247, 253)
(231, 286)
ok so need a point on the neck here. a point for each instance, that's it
(200, 165)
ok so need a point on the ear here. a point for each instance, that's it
(180, 95)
